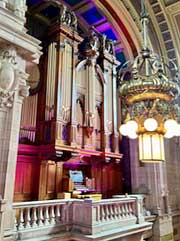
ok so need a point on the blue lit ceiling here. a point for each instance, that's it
(88, 16)
(92, 16)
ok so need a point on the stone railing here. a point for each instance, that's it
(86, 216)
(50, 216)
(92, 217)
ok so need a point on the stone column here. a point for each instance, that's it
(16, 48)
(151, 179)
(12, 90)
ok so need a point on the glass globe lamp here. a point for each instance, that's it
(123, 129)
(150, 124)
(170, 124)
(132, 126)
(132, 135)
(177, 133)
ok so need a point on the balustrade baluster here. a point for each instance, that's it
(107, 212)
(128, 207)
(111, 212)
(103, 214)
(21, 219)
(125, 210)
(130, 210)
(115, 211)
(46, 215)
(98, 214)
(34, 217)
(119, 215)
(63, 213)
(15, 223)
(121, 211)
(58, 214)
(40, 216)
(52, 215)
(27, 218)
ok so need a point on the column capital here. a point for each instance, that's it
(12, 78)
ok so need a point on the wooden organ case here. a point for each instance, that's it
(74, 116)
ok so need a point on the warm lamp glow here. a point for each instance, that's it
(177, 133)
(169, 134)
(170, 125)
(132, 135)
(151, 147)
(123, 130)
(150, 124)
(132, 126)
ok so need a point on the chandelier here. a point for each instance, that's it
(149, 90)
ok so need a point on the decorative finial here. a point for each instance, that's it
(144, 21)
(144, 12)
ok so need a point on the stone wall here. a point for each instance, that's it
(176, 226)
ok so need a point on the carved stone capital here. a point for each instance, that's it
(11, 78)
(20, 8)
(23, 87)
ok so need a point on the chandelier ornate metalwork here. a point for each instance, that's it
(149, 90)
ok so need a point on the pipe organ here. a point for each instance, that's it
(51, 80)
(73, 115)
(28, 119)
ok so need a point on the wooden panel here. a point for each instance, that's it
(50, 179)
(27, 178)
(96, 173)
(59, 177)
(108, 178)
(19, 178)
(51, 174)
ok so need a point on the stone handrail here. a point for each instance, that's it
(97, 216)
(40, 214)
(86, 216)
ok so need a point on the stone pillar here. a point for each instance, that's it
(139, 207)
(163, 229)
(12, 90)
(16, 47)
(151, 179)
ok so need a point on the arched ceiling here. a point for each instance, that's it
(119, 20)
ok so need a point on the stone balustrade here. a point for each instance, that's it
(92, 217)
(86, 216)
(50, 216)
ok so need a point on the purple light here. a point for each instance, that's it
(103, 27)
